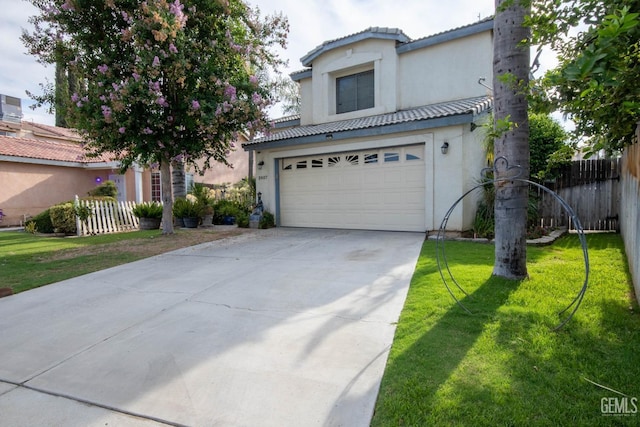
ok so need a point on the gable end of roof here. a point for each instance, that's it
(381, 33)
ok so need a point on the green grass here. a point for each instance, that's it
(28, 261)
(504, 365)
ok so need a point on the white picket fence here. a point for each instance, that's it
(106, 217)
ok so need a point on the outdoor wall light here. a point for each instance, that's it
(445, 148)
(260, 164)
(98, 180)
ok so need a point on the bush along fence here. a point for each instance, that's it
(592, 189)
(102, 217)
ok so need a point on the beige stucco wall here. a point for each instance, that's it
(28, 189)
(220, 173)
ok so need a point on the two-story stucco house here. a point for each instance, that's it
(386, 138)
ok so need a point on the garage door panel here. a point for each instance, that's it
(367, 190)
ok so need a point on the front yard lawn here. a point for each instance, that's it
(505, 365)
(28, 261)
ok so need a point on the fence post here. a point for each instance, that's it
(76, 204)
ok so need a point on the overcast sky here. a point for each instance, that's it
(312, 22)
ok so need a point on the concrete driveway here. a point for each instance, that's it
(281, 327)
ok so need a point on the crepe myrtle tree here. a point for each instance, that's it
(161, 81)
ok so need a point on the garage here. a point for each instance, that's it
(377, 189)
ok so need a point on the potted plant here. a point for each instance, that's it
(203, 196)
(150, 215)
(207, 215)
(191, 212)
(225, 212)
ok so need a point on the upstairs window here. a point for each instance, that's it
(355, 92)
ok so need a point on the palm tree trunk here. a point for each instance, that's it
(178, 179)
(510, 82)
(167, 197)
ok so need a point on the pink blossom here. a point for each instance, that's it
(195, 104)
(256, 98)
(230, 92)
(103, 68)
(162, 102)
(75, 97)
(147, 131)
(106, 111)
(253, 80)
(156, 61)
(122, 130)
(115, 86)
(176, 9)
(68, 5)
(173, 48)
(136, 76)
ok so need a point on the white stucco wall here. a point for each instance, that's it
(379, 55)
(445, 72)
(447, 175)
(442, 72)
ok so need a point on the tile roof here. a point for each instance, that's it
(371, 32)
(54, 131)
(473, 106)
(62, 151)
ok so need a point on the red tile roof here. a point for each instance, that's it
(63, 151)
(53, 131)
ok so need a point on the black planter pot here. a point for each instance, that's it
(149, 223)
(191, 222)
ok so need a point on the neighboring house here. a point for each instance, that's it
(43, 165)
(387, 137)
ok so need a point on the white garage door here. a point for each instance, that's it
(381, 189)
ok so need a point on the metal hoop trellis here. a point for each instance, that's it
(441, 257)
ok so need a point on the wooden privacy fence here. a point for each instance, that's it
(591, 188)
(106, 217)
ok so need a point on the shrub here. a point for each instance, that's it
(63, 218)
(41, 222)
(267, 220)
(107, 188)
(30, 227)
(242, 219)
(185, 208)
(148, 210)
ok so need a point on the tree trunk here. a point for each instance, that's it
(167, 197)
(178, 179)
(510, 83)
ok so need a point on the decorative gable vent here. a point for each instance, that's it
(10, 109)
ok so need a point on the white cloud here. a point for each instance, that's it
(312, 22)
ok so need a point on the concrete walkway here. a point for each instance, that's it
(281, 327)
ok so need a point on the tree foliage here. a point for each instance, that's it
(546, 137)
(161, 81)
(595, 83)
